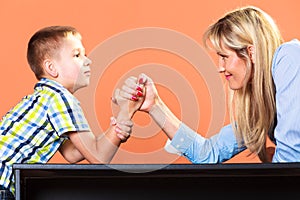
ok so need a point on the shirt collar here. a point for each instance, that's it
(44, 82)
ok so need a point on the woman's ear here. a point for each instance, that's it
(251, 52)
(50, 68)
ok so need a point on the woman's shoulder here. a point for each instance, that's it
(289, 47)
(287, 58)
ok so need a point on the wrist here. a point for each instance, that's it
(157, 105)
(124, 115)
(157, 112)
(154, 104)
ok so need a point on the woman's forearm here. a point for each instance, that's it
(164, 118)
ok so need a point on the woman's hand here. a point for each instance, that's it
(140, 90)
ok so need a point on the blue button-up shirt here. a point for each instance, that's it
(223, 145)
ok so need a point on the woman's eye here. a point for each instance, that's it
(77, 55)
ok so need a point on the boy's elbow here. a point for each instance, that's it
(72, 159)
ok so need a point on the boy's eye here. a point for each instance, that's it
(222, 56)
(77, 55)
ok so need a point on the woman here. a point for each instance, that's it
(263, 75)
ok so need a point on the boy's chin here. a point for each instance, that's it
(80, 86)
(87, 83)
(84, 85)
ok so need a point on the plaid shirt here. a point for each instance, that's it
(33, 130)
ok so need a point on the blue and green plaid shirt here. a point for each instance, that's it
(34, 129)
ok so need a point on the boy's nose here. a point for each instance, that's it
(87, 61)
(221, 69)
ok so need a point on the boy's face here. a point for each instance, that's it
(72, 64)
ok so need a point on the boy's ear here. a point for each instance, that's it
(50, 68)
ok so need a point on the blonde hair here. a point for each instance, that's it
(253, 108)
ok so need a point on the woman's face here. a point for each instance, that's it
(233, 67)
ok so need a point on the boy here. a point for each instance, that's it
(51, 118)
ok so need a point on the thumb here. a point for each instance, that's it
(114, 98)
(113, 121)
(142, 78)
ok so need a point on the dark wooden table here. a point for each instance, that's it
(157, 181)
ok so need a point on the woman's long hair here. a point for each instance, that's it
(253, 108)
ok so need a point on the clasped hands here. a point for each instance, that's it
(137, 93)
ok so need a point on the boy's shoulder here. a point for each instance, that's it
(48, 83)
(51, 90)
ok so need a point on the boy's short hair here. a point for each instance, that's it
(44, 44)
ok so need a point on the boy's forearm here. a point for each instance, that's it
(108, 144)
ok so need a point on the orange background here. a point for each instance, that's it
(99, 20)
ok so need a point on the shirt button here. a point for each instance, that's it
(177, 146)
(181, 139)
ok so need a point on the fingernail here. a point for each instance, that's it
(141, 81)
(118, 130)
(121, 136)
(113, 121)
(139, 93)
(114, 100)
(134, 98)
(138, 88)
